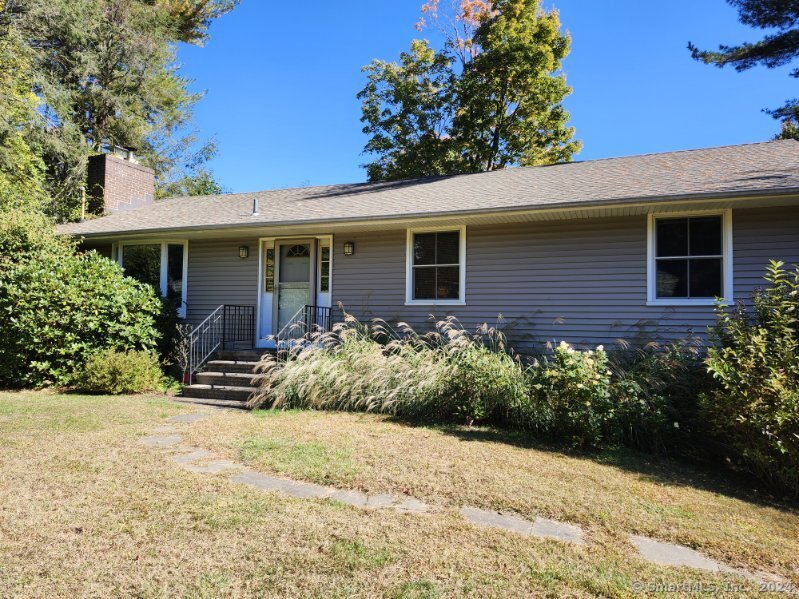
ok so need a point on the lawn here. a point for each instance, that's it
(86, 510)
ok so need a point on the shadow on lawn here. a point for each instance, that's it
(672, 471)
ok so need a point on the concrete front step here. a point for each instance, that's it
(250, 355)
(231, 366)
(219, 403)
(226, 379)
(218, 392)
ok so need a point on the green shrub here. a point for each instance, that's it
(117, 372)
(755, 411)
(570, 399)
(58, 307)
(172, 336)
(25, 235)
(655, 393)
(483, 385)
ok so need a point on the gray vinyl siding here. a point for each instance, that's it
(759, 236)
(583, 281)
(217, 276)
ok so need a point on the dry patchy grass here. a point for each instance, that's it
(87, 511)
(610, 495)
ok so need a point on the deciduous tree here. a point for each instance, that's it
(21, 168)
(510, 93)
(490, 98)
(407, 111)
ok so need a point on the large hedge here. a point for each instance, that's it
(58, 306)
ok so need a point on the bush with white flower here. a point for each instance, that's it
(570, 396)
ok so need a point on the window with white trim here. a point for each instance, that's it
(161, 264)
(436, 266)
(689, 258)
(324, 269)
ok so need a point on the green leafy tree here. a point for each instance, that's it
(774, 50)
(193, 179)
(21, 168)
(490, 98)
(510, 94)
(199, 183)
(105, 73)
(407, 111)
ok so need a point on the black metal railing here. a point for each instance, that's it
(317, 318)
(300, 328)
(226, 325)
(238, 325)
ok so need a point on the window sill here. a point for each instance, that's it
(435, 303)
(684, 302)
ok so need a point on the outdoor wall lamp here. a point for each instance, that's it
(244, 251)
(349, 248)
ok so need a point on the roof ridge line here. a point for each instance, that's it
(376, 184)
(684, 151)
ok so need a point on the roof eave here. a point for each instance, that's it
(562, 207)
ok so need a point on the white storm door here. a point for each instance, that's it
(294, 279)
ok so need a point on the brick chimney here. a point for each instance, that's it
(116, 184)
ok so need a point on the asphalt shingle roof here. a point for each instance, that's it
(753, 169)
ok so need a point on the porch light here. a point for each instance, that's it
(244, 251)
(349, 248)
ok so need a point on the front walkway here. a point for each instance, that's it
(199, 460)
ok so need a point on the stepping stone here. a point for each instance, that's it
(163, 430)
(214, 467)
(552, 529)
(382, 501)
(490, 519)
(670, 554)
(161, 440)
(542, 527)
(353, 498)
(188, 418)
(282, 485)
(412, 505)
(193, 456)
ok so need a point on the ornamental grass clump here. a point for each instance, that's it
(448, 374)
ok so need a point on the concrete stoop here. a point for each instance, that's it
(227, 381)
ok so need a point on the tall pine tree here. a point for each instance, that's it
(774, 50)
(105, 73)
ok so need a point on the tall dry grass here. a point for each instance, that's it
(584, 399)
(448, 373)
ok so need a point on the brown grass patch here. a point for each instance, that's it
(87, 511)
(610, 494)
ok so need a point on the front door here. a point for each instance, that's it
(294, 280)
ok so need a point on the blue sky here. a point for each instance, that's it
(281, 84)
